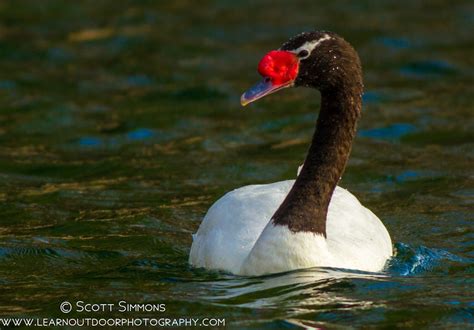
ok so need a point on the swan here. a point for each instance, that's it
(307, 222)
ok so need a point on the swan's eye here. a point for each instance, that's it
(303, 53)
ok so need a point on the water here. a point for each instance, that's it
(121, 124)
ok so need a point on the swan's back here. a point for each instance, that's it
(230, 236)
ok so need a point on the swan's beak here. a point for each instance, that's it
(262, 89)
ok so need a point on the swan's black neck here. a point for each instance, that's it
(306, 206)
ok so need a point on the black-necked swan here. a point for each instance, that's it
(310, 221)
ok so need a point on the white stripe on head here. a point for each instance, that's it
(309, 46)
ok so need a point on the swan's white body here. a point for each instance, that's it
(237, 235)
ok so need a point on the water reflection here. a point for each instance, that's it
(394, 43)
(298, 290)
(394, 131)
(427, 69)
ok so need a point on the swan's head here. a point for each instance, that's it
(319, 59)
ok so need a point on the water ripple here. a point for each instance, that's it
(416, 260)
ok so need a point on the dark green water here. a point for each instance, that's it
(120, 125)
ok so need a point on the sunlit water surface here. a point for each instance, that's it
(121, 125)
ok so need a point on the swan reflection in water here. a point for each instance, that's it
(299, 290)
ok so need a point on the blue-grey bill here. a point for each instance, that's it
(260, 90)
